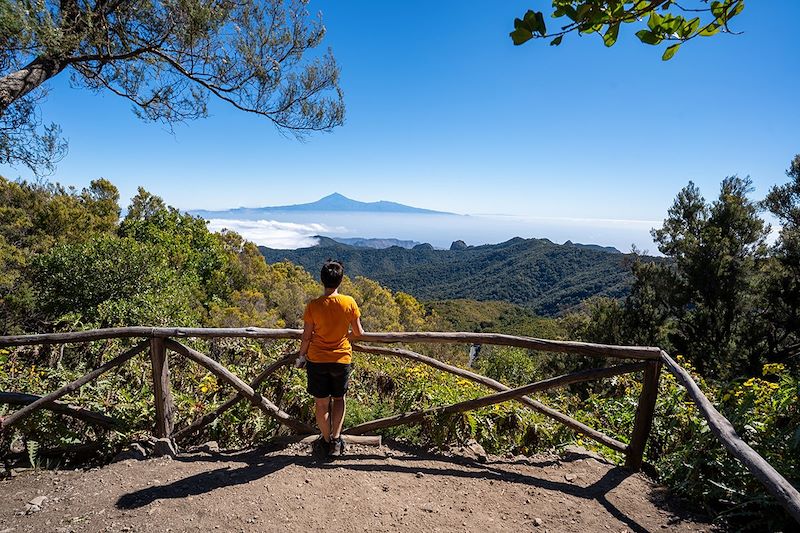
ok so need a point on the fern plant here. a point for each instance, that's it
(32, 447)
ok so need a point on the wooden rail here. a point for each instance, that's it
(16, 416)
(568, 421)
(772, 480)
(531, 343)
(159, 340)
(98, 419)
(208, 418)
(500, 397)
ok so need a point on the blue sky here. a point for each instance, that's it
(444, 113)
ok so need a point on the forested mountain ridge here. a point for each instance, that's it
(535, 273)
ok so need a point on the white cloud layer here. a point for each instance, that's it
(271, 233)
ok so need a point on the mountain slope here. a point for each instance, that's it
(536, 273)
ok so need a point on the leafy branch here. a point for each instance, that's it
(667, 21)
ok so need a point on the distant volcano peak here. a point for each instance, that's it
(333, 202)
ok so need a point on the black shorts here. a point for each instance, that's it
(327, 379)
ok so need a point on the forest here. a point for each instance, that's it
(534, 273)
(725, 301)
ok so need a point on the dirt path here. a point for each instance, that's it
(371, 489)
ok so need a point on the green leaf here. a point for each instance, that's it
(670, 51)
(690, 27)
(708, 31)
(648, 37)
(592, 29)
(556, 41)
(738, 8)
(520, 36)
(672, 25)
(533, 22)
(569, 11)
(611, 34)
(540, 25)
(654, 21)
(530, 19)
(32, 447)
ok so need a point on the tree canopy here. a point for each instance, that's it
(666, 21)
(727, 299)
(167, 57)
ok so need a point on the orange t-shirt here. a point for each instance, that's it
(331, 316)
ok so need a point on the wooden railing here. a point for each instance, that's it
(158, 340)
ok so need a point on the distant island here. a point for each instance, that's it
(332, 203)
(379, 244)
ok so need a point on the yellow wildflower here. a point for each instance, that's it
(773, 368)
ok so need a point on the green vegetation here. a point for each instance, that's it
(726, 303)
(501, 317)
(727, 300)
(729, 303)
(666, 21)
(70, 263)
(546, 277)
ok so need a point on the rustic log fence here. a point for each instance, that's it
(161, 340)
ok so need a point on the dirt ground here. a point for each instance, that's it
(389, 488)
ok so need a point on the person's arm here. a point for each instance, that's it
(356, 329)
(308, 332)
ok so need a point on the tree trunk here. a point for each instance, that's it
(17, 84)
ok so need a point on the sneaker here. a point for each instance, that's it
(320, 446)
(337, 446)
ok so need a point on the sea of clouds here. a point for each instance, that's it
(273, 233)
(298, 230)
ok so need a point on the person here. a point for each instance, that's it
(328, 324)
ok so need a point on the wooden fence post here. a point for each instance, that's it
(644, 416)
(165, 407)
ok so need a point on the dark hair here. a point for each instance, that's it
(332, 273)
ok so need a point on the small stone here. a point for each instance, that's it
(38, 501)
(308, 480)
(537, 522)
(211, 446)
(419, 474)
(569, 477)
(164, 448)
(478, 450)
(134, 452)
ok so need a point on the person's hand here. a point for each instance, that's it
(300, 362)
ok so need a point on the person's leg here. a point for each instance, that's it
(337, 416)
(339, 384)
(322, 408)
(319, 387)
